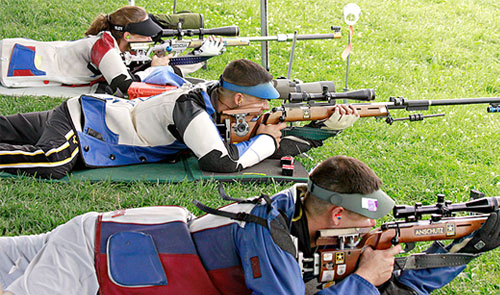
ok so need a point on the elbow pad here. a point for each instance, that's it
(215, 162)
(121, 82)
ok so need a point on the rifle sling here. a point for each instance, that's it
(278, 227)
(240, 216)
(422, 260)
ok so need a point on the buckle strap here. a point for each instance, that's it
(423, 260)
(225, 197)
(93, 69)
(240, 216)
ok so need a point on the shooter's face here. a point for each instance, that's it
(250, 101)
(350, 219)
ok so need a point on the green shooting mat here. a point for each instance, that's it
(186, 169)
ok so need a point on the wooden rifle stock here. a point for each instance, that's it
(295, 113)
(336, 264)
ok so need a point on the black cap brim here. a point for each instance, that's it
(146, 28)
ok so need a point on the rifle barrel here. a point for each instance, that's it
(423, 104)
(289, 37)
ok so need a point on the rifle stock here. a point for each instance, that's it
(337, 264)
(293, 113)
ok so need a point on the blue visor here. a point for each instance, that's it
(264, 90)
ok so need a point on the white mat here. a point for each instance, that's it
(52, 91)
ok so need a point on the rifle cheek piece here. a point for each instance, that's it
(375, 205)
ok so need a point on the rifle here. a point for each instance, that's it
(142, 52)
(383, 109)
(242, 124)
(331, 264)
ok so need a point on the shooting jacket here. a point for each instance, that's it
(30, 63)
(114, 132)
(244, 256)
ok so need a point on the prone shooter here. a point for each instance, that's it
(244, 248)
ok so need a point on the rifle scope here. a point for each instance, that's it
(286, 86)
(446, 208)
(222, 31)
(363, 94)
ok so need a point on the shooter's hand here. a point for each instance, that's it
(157, 61)
(344, 116)
(376, 266)
(211, 47)
(272, 129)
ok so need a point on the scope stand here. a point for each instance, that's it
(346, 88)
(264, 31)
(290, 62)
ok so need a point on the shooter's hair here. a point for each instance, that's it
(122, 17)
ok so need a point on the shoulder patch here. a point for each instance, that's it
(101, 47)
(254, 261)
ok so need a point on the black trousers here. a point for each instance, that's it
(43, 144)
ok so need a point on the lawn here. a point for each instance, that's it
(428, 49)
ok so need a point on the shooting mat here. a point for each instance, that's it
(186, 169)
(52, 91)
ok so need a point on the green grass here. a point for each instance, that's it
(416, 49)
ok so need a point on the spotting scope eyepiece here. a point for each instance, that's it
(287, 86)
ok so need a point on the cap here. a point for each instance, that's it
(375, 205)
(263, 90)
(146, 27)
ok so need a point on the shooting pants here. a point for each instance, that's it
(41, 143)
(58, 262)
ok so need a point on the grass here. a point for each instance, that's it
(429, 49)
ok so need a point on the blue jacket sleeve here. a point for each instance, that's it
(270, 270)
(424, 281)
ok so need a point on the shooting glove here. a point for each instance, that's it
(338, 122)
(210, 47)
(484, 239)
(294, 145)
